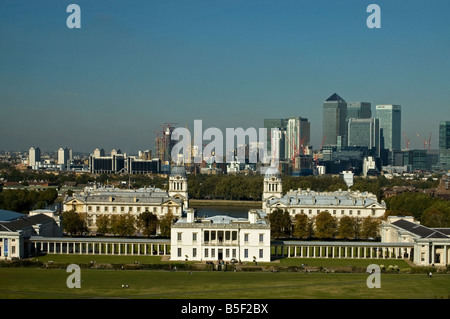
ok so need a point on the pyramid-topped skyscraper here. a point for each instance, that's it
(334, 129)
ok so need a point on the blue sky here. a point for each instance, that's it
(135, 65)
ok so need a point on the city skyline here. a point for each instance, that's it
(131, 68)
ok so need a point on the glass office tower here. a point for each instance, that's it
(334, 129)
(444, 144)
(365, 133)
(390, 125)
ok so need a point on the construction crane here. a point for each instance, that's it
(316, 157)
(424, 141)
(407, 141)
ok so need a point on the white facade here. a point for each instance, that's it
(112, 201)
(34, 157)
(14, 234)
(178, 185)
(431, 246)
(221, 238)
(311, 203)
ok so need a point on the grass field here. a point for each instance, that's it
(41, 283)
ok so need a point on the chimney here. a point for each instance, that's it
(190, 215)
(252, 216)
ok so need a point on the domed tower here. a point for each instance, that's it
(272, 185)
(178, 185)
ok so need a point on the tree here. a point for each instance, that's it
(103, 224)
(165, 224)
(74, 223)
(437, 216)
(302, 226)
(280, 223)
(147, 222)
(325, 225)
(123, 224)
(369, 227)
(347, 227)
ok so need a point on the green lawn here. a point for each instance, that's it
(51, 283)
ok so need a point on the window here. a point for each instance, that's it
(261, 238)
(227, 253)
(246, 237)
(359, 212)
(194, 252)
(310, 211)
(122, 209)
(89, 208)
(245, 253)
(233, 253)
(206, 236)
(342, 212)
(138, 209)
(97, 209)
(194, 236)
(234, 235)
(114, 208)
(261, 253)
(334, 211)
(351, 212)
(213, 253)
(179, 252)
(206, 252)
(179, 236)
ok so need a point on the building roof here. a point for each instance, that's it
(24, 222)
(272, 171)
(420, 230)
(342, 198)
(7, 215)
(123, 196)
(178, 171)
(335, 98)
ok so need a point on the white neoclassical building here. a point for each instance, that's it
(431, 246)
(95, 201)
(221, 238)
(311, 203)
(17, 229)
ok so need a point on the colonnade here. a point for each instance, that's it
(89, 246)
(341, 250)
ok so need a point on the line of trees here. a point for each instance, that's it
(322, 226)
(24, 200)
(430, 211)
(145, 224)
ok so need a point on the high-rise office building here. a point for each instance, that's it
(365, 133)
(297, 136)
(359, 110)
(279, 139)
(63, 156)
(444, 144)
(34, 156)
(334, 130)
(390, 125)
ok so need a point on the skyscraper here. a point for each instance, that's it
(359, 110)
(297, 136)
(444, 144)
(279, 124)
(34, 156)
(63, 156)
(390, 125)
(365, 133)
(334, 130)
